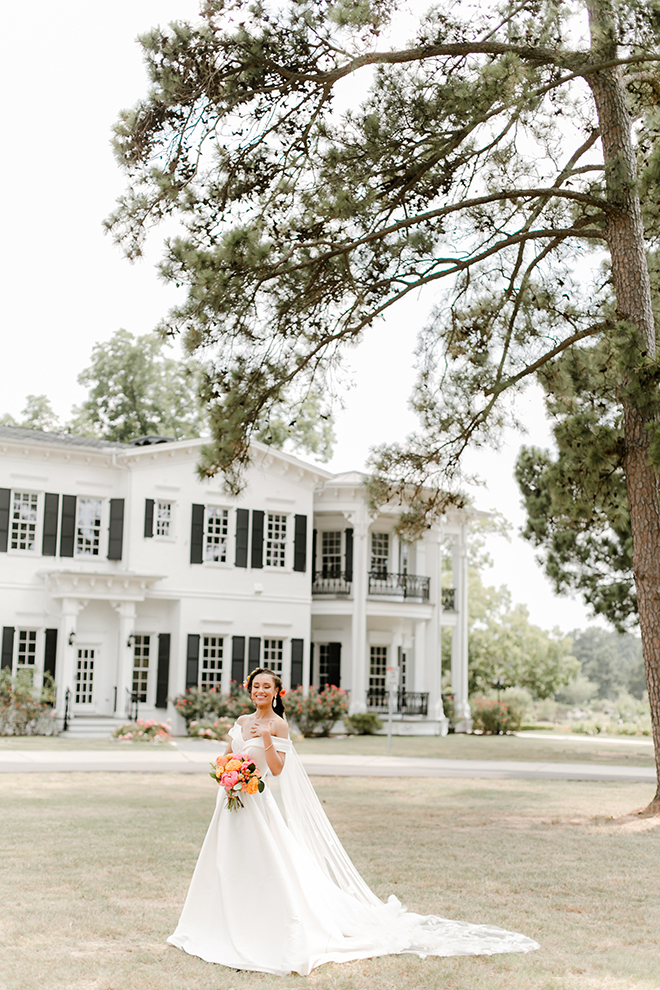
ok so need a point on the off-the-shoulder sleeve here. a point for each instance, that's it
(282, 745)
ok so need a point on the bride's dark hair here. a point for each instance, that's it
(278, 706)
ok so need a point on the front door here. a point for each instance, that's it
(84, 693)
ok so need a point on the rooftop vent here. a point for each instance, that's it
(149, 440)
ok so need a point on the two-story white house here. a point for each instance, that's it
(129, 578)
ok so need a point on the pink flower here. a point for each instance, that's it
(229, 779)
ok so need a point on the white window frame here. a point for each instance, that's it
(378, 657)
(339, 556)
(374, 567)
(80, 555)
(276, 549)
(169, 536)
(211, 641)
(138, 641)
(275, 646)
(37, 522)
(36, 635)
(208, 510)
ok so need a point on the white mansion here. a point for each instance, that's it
(130, 579)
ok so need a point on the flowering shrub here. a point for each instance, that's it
(21, 714)
(144, 730)
(362, 724)
(206, 704)
(449, 710)
(316, 714)
(495, 717)
(205, 729)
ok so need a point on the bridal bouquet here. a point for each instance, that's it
(237, 772)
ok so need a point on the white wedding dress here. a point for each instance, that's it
(274, 890)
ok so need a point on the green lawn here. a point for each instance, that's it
(95, 869)
(593, 749)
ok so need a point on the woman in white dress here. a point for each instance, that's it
(274, 891)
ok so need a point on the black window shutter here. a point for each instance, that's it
(163, 672)
(192, 660)
(311, 664)
(68, 525)
(313, 553)
(300, 544)
(116, 531)
(349, 555)
(50, 652)
(197, 535)
(148, 517)
(334, 664)
(238, 659)
(242, 525)
(296, 663)
(5, 498)
(254, 652)
(7, 646)
(49, 537)
(257, 558)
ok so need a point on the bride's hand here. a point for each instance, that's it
(259, 729)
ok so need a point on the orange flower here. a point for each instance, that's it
(233, 765)
(252, 785)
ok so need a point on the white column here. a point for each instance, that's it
(124, 675)
(359, 653)
(65, 668)
(459, 645)
(434, 632)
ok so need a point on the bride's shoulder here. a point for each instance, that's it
(242, 719)
(281, 728)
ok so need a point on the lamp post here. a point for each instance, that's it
(499, 684)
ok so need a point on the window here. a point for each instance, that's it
(331, 555)
(163, 518)
(141, 649)
(380, 553)
(24, 520)
(377, 667)
(215, 537)
(276, 540)
(404, 557)
(273, 652)
(324, 657)
(27, 649)
(88, 526)
(211, 665)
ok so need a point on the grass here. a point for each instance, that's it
(592, 749)
(95, 869)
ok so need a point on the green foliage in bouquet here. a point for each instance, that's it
(362, 724)
(316, 714)
(496, 718)
(21, 713)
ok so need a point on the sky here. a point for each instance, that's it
(69, 70)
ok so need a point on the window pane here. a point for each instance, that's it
(210, 674)
(141, 651)
(163, 518)
(273, 652)
(380, 552)
(377, 667)
(217, 528)
(331, 554)
(276, 540)
(27, 649)
(23, 520)
(88, 530)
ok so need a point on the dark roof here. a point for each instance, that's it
(67, 439)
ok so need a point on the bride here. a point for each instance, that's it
(274, 890)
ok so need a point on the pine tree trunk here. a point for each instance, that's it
(630, 275)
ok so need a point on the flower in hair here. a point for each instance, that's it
(282, 692)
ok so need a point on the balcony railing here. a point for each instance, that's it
(399, 585)
(449, 599)
(331, 583)
(405, 702)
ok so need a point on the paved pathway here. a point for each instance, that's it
(194, 757)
